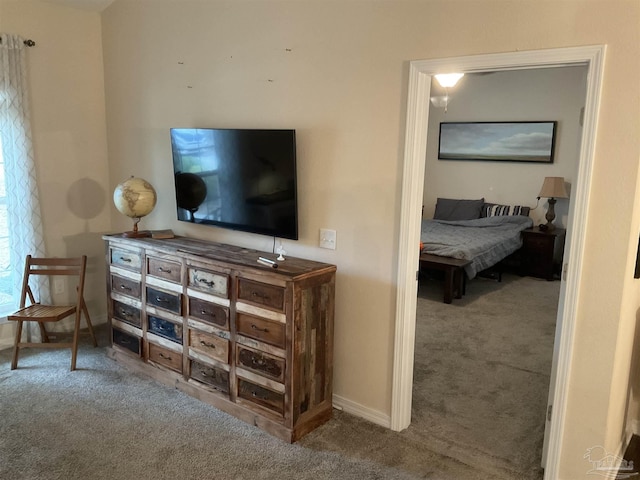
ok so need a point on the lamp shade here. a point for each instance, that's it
(553, 187)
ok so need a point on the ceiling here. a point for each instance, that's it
(89, 5)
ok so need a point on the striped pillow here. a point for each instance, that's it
(494, 210)
(497, 210)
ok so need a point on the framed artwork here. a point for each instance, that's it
(498, 141)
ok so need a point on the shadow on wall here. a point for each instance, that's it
(87, 199)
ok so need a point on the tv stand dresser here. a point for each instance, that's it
(207, 319)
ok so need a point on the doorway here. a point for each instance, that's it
(482, 364)
(420, 73)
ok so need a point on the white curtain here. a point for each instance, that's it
(24, 220)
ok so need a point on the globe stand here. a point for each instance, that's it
(135, 233)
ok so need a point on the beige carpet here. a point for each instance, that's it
(102, 422)
(482, 369)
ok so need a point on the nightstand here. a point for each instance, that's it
(542, 252)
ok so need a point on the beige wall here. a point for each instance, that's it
(336, 71)
(69, 132)
(522, 95)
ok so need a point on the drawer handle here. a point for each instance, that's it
(124, 341)
(124, 287)
(125, 259)
(260, 295)
(164, 270)
(203, 373)
(162, 355)
(163, 300)
(257, 362)
(255, 394)
(124, 313)
(205, 312)
(205, 344)
(208, 283)
(255, 327)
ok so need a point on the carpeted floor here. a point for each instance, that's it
(101, 422)
(482, 368)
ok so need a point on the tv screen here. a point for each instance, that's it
(238, 179)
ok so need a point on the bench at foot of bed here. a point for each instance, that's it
(454, 276)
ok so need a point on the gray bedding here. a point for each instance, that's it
(484, 241)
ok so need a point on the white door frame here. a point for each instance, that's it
(420, 73)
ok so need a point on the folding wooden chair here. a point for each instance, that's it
(37, 312)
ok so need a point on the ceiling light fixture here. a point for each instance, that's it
(447, 80)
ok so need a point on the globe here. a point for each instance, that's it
(135, 198)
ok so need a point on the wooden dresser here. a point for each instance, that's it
(206, 318)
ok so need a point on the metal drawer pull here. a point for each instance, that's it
(124, 313)
(204, 312)
(260, 295)
(125, 259)
(203, 373)
(257, 362)
(124, 287)
(205, 344)
(255, 327)
(163, 270)
(208, 283)
(257, 395)
(163, 300)
(162, 355)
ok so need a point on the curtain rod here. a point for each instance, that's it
(28, 42)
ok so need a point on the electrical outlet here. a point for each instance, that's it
(327, 238)
(58, 286)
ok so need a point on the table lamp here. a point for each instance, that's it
(552, 188)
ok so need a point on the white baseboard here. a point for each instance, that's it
(353, 408)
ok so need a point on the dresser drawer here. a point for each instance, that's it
(215, 377)
(264, 397)
(125, 258)
(167, 301)
(210, 282)
(165, 357)
(209, 345)
(262, 294)
(538, 243)
(127, 341)
(127, 313)
(165, 269)
(165, 328)
(261, 329)
(209, 312)
(262, 363)
(124, 286)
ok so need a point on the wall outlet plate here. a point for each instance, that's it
(328, 238)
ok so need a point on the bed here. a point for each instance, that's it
(478, 232)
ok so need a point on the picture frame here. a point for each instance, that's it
(525, 141)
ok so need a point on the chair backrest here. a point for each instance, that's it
(75, 266)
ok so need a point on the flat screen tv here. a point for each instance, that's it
(238, 179)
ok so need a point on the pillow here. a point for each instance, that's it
(454, 209)
(495, 210)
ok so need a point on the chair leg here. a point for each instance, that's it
(43, 333)
(16, 348)
(74, 346)
(88, 319)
